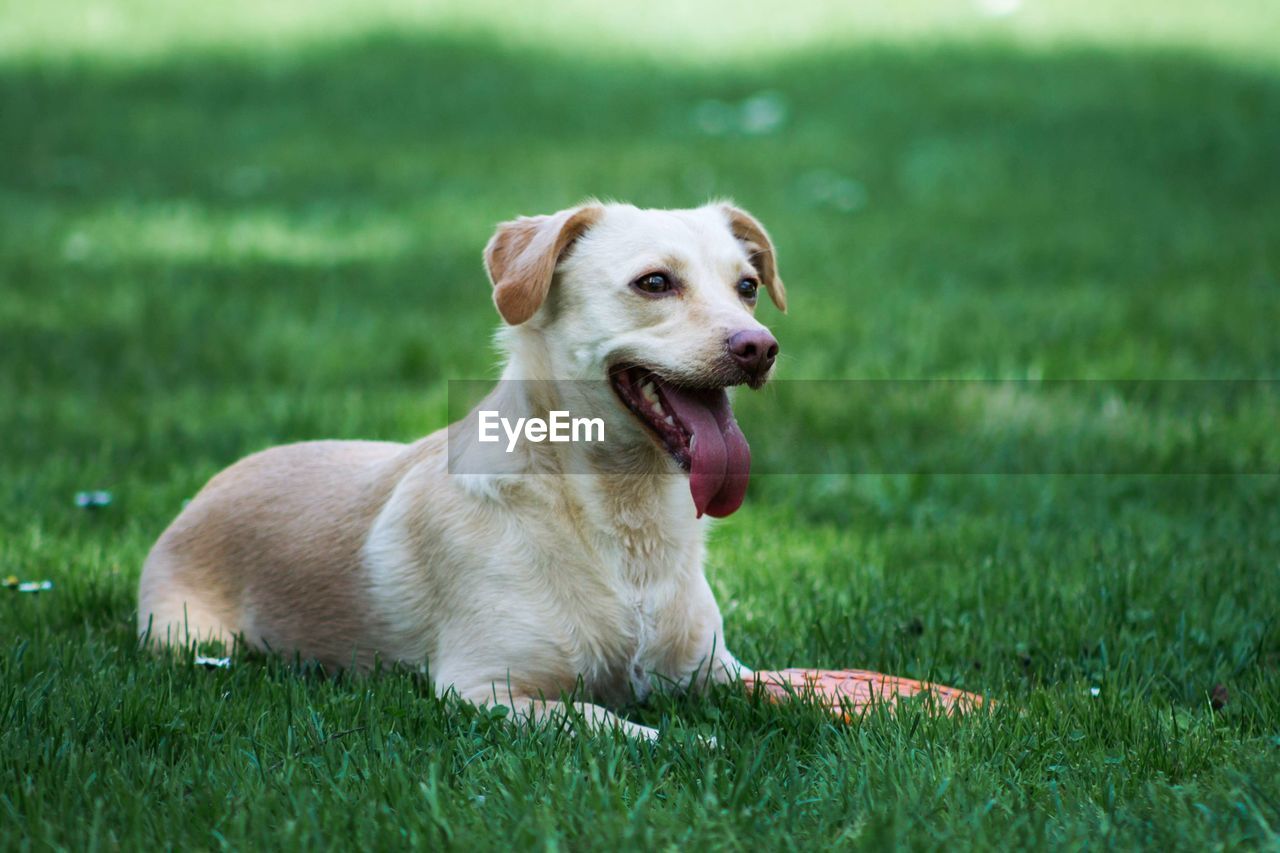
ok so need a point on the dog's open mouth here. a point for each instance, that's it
(697, 427)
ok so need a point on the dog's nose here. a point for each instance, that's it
(754, 351)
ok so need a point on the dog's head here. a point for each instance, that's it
(662, 304)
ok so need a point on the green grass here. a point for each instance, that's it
(223, 229)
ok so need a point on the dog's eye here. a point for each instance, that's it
(654, 283)
(747, 288)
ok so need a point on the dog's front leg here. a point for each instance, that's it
(728, 669)
(536, 710)
(695, 651)
(720, 667)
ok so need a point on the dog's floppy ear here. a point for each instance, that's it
(521, 257)
(752, 235)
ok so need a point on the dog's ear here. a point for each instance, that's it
(759, 247)
(521, 257)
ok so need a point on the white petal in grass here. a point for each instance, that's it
(34, 586)
(763, 113)
(714, 118)
(77, 246)
(1095, 692)
(212, 663)
(823, 188)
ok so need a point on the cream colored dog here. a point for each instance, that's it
(573, 565)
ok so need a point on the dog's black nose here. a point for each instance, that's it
(754, 351)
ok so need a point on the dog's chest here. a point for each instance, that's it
(618, 672)
(625, 678)
(633, 650)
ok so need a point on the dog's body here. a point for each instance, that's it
(513, 585)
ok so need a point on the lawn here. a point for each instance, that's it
(232, 226)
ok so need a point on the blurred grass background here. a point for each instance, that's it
(232, 225)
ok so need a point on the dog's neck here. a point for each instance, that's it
(625, 453)
(626, 489)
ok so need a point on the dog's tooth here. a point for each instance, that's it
(670, 420)
(650, 393)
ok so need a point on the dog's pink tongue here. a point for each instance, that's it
(719, 458)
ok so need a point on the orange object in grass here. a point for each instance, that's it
(849, 692)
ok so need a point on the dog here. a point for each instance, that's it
(571, 572)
